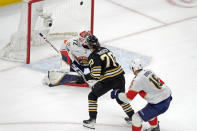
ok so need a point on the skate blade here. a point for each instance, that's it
(88, 126)
(129, 122)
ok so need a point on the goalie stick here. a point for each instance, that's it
(52, 85)
(74, 67)
(70, 83)
(64, 83)
(42, 36)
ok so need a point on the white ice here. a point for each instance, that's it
(163, 30)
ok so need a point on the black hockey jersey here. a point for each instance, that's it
(103, 65)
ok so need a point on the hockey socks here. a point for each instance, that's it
(92, 105)
(127, 109)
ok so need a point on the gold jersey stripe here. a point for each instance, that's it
(111, 75)
(124, 107)
(129, 110)
(96, 72)
(92, 110)
(92, 101)
(113, 69)
(96, 77)
(93, 105)
(97, 67)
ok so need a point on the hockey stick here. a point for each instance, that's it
(68, 82)
(75, 68)
(42, 36)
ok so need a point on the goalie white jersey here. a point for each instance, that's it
(72, 52)
(150, 87)
(76, 51)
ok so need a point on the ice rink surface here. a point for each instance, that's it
(161, 32)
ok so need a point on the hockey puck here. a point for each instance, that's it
(51, 85)
(81, 3)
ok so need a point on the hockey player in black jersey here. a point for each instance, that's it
(109, 75)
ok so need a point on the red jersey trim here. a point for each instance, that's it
(131, 94)
(142, 94)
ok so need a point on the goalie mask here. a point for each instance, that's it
(82, 38)
(85, 34)
(92, 42)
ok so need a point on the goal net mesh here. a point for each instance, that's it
(69, 17)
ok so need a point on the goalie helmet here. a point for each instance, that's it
(136, 65)
(84, 34)
(92, 42)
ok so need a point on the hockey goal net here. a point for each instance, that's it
(56, 19)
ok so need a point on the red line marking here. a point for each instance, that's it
(172, 2)
(149, 29)
(186, 1)
(137, 12)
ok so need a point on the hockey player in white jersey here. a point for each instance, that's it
(153, 90)
(73, 51)
(76, 50)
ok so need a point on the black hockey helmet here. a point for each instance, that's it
(93, 42)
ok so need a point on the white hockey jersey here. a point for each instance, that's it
(149, 86)
(75, 49)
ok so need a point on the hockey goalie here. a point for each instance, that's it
(74, 56)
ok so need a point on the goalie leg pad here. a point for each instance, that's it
(68, 78)
(64, 78)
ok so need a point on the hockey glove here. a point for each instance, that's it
(114, 93)
(80, 80)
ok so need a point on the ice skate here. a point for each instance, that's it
(90, 123)
(153, 129)
(128, 119)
